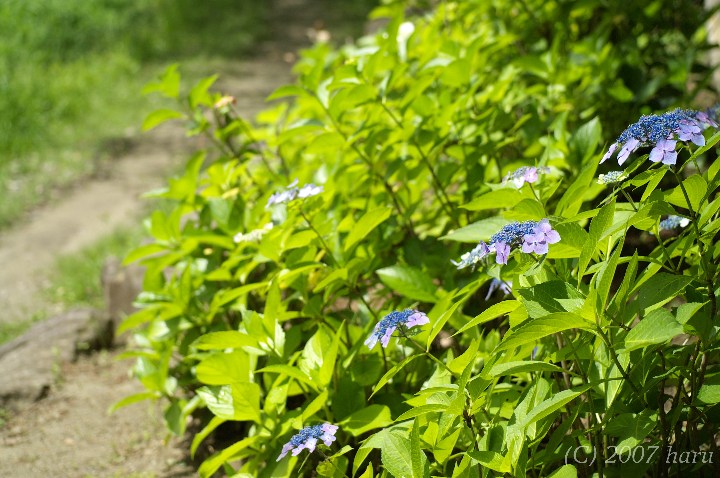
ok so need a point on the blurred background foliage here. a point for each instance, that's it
(71, 72)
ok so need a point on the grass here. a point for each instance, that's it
(75, 279)
(71, 73)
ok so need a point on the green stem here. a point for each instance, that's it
(622, 370)
(322, 241)
(422, 349)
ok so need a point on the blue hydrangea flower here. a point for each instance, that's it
(308, 438)
(674, 222)
(612, 177)
(533, 236)
(662, 132)
(495, 284)
(292, 192)
(384, 329)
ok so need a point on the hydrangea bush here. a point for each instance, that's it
(435, 187)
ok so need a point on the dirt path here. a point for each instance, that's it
(68, 433)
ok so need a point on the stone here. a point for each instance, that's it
(30, 364)
(121, 285)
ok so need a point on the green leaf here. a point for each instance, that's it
(168, 85)
(369, 418)
(632, 428)
(420, 465)
(396, 455)
(212, 464)
(550, 297)
(238, 401)
(366, 224)
(129, 400)
(491, 313)
(660, 289)
(709, 393)
(422, 410)
(586, 138)
(199, 93)
(523, 366)
(143, 251)
(290, 371)
(658, 327)
(498, 199)
(565, 471)
(409, 282)
(159, 117)
(490, 459)
(478, 231)
(286, 91)
(696, 188)
(224, 368)
(553, 404)
(229, 339)
(391, 373)
(598, 226)
(202, 434)
(535, 329)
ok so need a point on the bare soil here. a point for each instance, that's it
(69, 432)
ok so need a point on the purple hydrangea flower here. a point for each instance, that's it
(662, 132)
(525, 174)
(308, 438)
(495, 284)
(532, 235)
(292, 192)
(538, 241)
(384, 329)
(502, 252)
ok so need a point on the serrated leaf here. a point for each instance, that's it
(553, 404)
(549, 297)
(535, 329)
(238, 401)
(658, 327)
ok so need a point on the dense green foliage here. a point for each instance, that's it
(607, 343)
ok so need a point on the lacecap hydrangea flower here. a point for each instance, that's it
(531, 236)
(612, 177)
(662, 132)
(674, 222)
(308, 437)
(524, 174)
(292, 192)
(403, 320)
